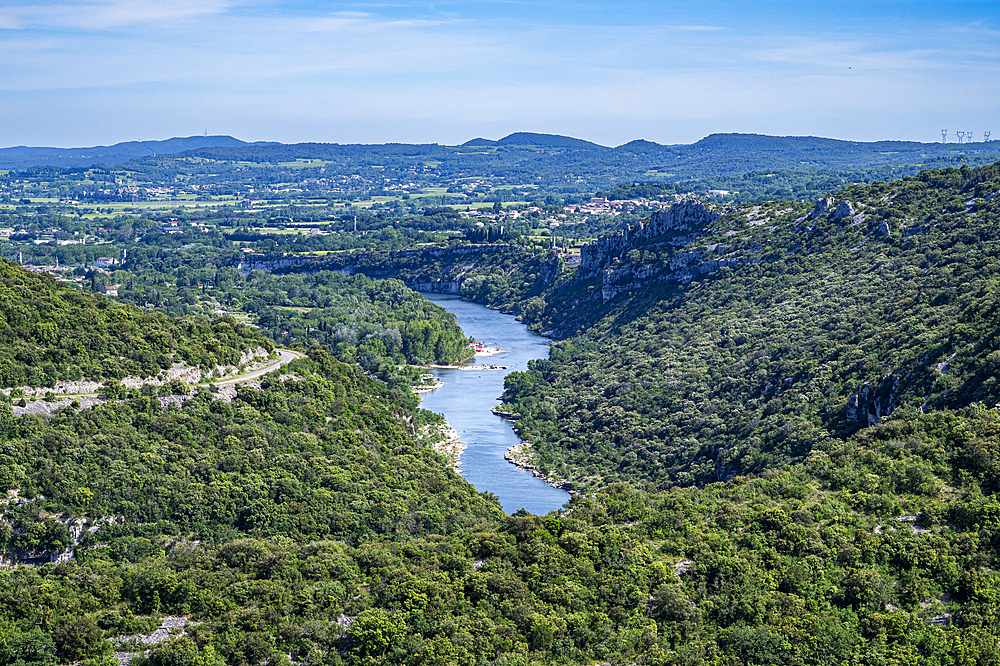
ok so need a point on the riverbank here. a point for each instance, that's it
(444, 439)
(509, 416)
(523, 455)
(427, 388)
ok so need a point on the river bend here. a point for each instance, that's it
(466, 399)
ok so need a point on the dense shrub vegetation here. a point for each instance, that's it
(318, 451)
(793, 459)
(52, 333)
(358, 313)
(877, 549)
(816, 324)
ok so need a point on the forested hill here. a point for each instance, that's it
(718, 160)
(300, 523)
(746, 152)
(549, 156)
(21, 157)
(302, 520)
(733, 340)
(740, 167)
(51, 332)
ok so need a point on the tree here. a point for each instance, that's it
(81, 639)
(374, 632)
(178, 652)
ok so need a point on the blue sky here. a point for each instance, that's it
(77, 73)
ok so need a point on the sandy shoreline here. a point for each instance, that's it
(488, 350)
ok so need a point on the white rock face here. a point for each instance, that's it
(823, 207)
(687, 216)
(257, 357)
(844, 209)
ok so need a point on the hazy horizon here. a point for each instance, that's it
(951, 137)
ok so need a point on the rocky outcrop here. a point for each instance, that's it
(685, 216)
(440, 287)
(445, 440)
(78, 528)
(665, 233)
(253, 359)
(523, 455)
(681, 221)
(844, 209)
(871, 403)
(822, 207)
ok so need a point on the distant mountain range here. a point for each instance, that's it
(20, 157)
(715, 155)
(531, 139)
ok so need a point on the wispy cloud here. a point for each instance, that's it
(102, 14)
(340, 21)
(694, 28)
(873, 54)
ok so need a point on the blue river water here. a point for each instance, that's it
(466, 399)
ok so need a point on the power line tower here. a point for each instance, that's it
(944, 136)
(969, 134)
(986, 136)
(961, 135)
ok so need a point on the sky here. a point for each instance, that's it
(92, 72)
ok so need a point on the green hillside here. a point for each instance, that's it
(305, 522)
(318, 452)
(768, 330)
(877, 549)
(50, 333)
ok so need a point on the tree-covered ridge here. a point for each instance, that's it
(319, 451)
(52, 333)
(805, 325)
(499, 275)
(563, 160)
(358, 318)
(26, 156)
(302, 522)
(877, 549)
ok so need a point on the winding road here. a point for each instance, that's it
(285, 356)
(43, 407)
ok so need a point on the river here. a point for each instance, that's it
(466, 399)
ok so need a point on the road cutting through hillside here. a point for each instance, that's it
(285, 356)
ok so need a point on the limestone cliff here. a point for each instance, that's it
(678, 226)
(664, 234)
